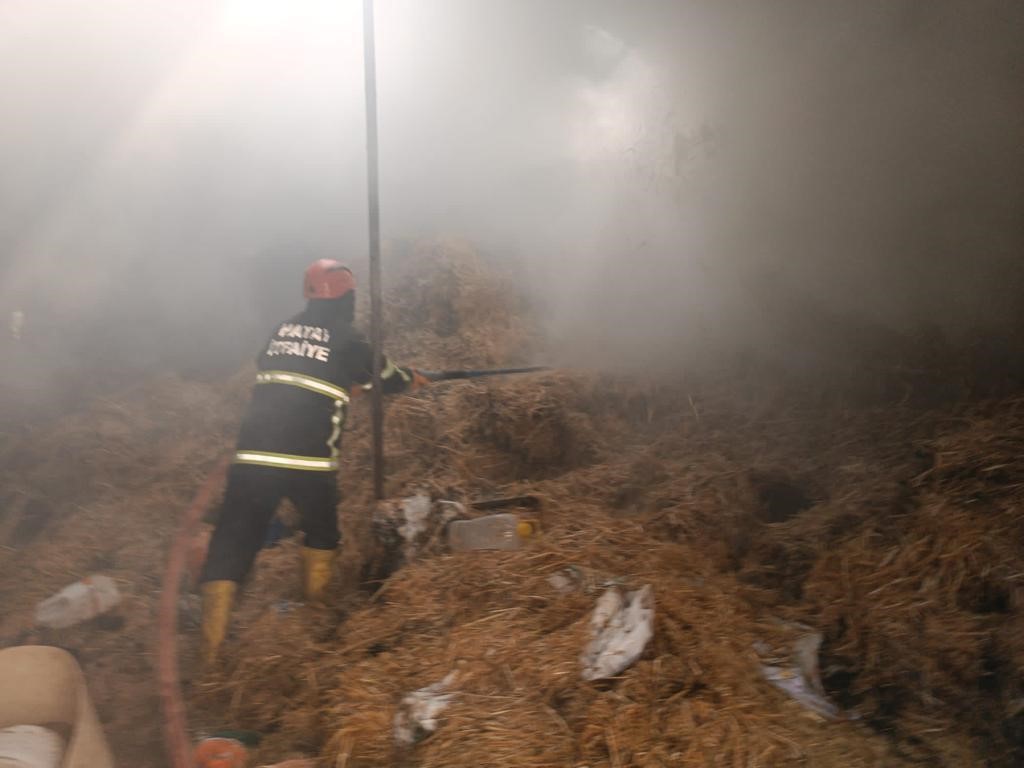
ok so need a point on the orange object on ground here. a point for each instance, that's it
(221, 753)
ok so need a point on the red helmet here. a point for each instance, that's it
(327, 279)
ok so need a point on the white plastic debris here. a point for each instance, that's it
(801, 680)
(78, 602)
(621, 627)
(567, 580)
(417, 715)
(415, 516)
(404, 528)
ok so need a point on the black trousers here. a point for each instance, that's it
(252, 496)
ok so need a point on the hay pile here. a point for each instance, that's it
(892, 530)
(745, 509)
(448, 306)
(700, 517)
(100, 490)
(923, 610)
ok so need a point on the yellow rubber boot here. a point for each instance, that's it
(318, 565)
(218, 597)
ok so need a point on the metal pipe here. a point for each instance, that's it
(376, 319)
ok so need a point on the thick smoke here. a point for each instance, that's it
(672, 178)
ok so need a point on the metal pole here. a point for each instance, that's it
(376, 324)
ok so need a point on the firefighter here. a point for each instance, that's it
(288, 443)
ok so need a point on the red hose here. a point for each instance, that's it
(177, 741)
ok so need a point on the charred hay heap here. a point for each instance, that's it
(895, 532)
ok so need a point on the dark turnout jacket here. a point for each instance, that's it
(303, 388)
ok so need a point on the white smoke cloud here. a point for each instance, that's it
(669, 173)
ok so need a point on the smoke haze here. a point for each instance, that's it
(671, 177)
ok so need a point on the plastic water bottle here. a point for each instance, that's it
(30, 746)
(504, 531)
(78, 602)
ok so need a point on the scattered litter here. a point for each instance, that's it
(30, 746)
(417, 715)
(415, 516)
(403, 528)
(504, 531)
(621, 628)
(800, 679)
(78, 602)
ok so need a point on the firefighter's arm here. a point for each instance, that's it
(394, 378)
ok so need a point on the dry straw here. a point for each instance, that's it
(894, 531)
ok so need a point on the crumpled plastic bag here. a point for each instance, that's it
(415, 515)
(801, 680)
(621, 626)
(418, 714)
(408, 525)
